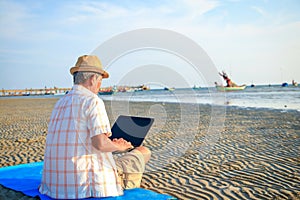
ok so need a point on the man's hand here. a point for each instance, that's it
(122, 144)
(102, 143)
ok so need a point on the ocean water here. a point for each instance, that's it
(272, 97)
(264, 96)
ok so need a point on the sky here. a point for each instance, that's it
(254, 41)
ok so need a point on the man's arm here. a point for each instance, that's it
(102, 143)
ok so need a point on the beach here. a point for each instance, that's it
(252, 154)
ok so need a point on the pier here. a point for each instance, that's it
(61, 91)
(33, 92)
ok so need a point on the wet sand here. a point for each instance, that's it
(255, 155)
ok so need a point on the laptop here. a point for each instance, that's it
(131, 128)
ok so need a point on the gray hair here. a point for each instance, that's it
(82, 77)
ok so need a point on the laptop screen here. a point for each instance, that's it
(131, 128)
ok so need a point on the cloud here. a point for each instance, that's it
(136, 14)
(88, 11)
(38, 20)
(260, 11)
(196, 8)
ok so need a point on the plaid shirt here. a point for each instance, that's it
(73, 168)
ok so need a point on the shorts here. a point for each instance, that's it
(131, 167)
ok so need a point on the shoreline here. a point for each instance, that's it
(226, 104)
(253, 155)
(284, 108)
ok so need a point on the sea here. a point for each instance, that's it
(261, 96)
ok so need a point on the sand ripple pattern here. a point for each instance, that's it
(23, 129)
(256, 155)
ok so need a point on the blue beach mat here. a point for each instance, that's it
(27, 177)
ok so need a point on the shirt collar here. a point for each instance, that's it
(83, 89)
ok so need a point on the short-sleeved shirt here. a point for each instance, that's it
(73, 168)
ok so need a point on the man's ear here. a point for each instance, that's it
(93, 79)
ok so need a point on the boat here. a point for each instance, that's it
(106, 92)
(138, 88)
(196, 88)
(231, 86)
(169, 89)
(227, 89)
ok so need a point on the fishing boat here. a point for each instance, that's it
(235, 88)
(169, 89)
(105, 92)
(231, 86)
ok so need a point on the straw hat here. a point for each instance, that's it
(89, 63)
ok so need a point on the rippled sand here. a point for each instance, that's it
(255, 155)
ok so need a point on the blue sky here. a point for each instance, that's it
(254, 41)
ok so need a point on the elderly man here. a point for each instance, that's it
(78, 159)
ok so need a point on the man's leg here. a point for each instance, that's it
(145, 151)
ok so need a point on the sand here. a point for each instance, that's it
(254, 155)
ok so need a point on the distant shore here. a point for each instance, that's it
(255, 155)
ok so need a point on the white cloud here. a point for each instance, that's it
(196, 8)
(93, 11)
(260, 11)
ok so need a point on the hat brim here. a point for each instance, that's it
(103, 73)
